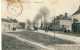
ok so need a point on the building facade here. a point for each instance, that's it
(76, 21)
(9, 24)
(62, 22)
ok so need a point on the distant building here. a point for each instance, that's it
(5, 24)
(14, 23)
(65, 23)
(22, 25)
(71, 23)
(61, 22)
(9, 24)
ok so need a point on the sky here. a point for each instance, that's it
(56, 7)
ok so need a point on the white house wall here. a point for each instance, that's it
(5, 26)
(77, 16)
(67, 24)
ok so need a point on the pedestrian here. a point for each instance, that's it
(46, 28)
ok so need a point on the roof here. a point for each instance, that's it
(9, 20)
(21, 23)
(77, 12)
(67, 18)
(14, 20)
(6, 20)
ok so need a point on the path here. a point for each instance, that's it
(24, 40)
(62, 36)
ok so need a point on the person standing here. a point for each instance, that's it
(46, 28)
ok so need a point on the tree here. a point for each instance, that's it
(44, 11)
(42, 14)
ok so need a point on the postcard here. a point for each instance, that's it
(40, 24)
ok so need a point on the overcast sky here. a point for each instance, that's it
(31, 9)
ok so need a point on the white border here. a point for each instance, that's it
(0, 28)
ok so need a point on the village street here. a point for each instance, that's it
(45, 41)
(40, 24)
(62, 36)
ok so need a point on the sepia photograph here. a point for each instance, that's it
(40, 24)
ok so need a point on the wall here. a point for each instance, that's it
(67, 24)
(77, 16)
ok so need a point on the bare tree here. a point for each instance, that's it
(42, 14)
(44, 11)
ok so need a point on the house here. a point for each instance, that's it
(76, 21)
(61, 22)
(14, 23)
(76, 15)
(65, 23)
(5, 24)
(9, 24)
(22, 25)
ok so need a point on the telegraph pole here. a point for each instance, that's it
(54, 23)
(54, 28)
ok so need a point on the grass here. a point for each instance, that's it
(42, 38)
(10, 43)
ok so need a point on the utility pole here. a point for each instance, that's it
(54, 28)
(54, 23)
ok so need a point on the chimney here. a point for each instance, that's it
(66, 14)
